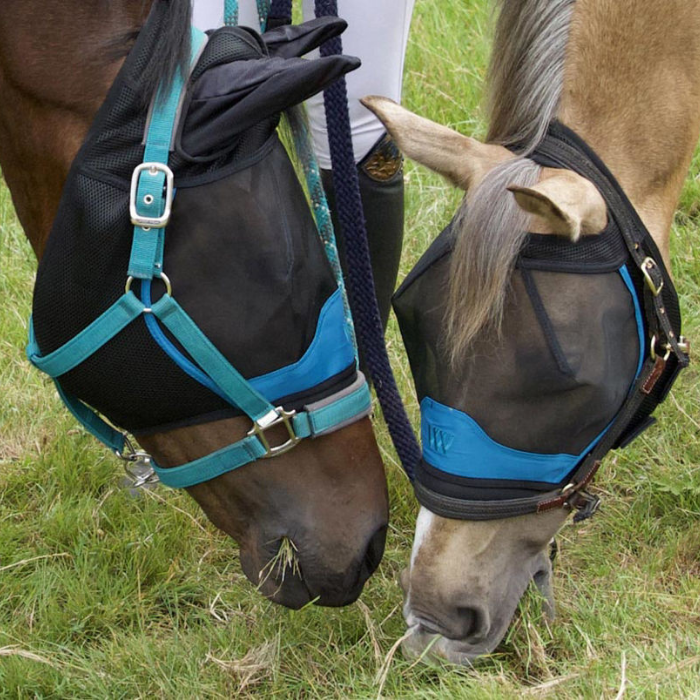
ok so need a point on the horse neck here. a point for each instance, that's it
(57, 60)
(632, 91)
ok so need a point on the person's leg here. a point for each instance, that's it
(377, 33)
(209, 14)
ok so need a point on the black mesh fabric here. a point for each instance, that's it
(601, 253)
(241, 250)
(561, 378)
(551, 383)
(230, 44)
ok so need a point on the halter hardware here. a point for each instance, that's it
(127, 453)
(133, 459)
(649, 265)
(665, 346)
(162, 276)
(276, 417)
(586, 506)
(149, 222)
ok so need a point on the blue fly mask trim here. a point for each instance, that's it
(240, 246)
(522, 424)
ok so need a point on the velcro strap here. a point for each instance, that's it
(334, 413)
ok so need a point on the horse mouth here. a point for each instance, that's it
(284, 578)
(423, 643)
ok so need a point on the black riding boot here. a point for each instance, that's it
(381, 189)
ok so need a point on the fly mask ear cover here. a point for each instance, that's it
(522, 424)
(245, 260)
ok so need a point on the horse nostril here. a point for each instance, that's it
(375, 550)
(468, 624)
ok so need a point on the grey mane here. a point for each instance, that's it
(525, 81)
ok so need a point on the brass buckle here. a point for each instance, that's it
(275, 417)
(652, 350)
(647, 265)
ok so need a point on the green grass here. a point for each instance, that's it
(106, 596)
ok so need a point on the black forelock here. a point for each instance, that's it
(173, 52)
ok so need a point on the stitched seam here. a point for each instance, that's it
(545, 323)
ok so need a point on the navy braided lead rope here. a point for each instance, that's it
(363, 298)
(360, 282)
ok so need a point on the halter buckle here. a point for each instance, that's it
(147, 222)
(277, 416)
(649, 265)
(665, 346)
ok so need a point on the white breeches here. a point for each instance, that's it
(377, 33)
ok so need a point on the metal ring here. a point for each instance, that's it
(652, 349)
(168, 286)
(162, 276)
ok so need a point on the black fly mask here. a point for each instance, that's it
(242, 251)
(590, 344)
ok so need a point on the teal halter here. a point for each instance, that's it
(152, 191)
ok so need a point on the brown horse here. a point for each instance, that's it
(625, 76)
(328, 495)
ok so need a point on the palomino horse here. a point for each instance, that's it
(624, 75)
(58, 60)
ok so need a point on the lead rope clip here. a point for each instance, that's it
(138, 467)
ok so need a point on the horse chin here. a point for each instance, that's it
(290, 580)
(311, 523)
(466, 579)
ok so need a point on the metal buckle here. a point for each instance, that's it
(128, 451)
(684, 345)
(649, 264)
(652, 349)
(148, 222)
(139, 470)
(275, 417)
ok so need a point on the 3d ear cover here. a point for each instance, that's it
(230, 98)
(292, 40)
